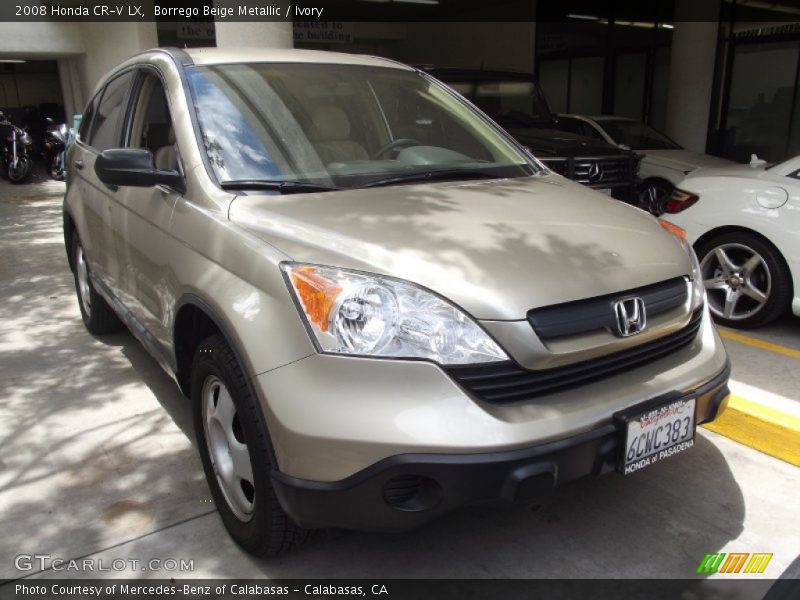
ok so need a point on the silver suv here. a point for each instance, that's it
(380, 307)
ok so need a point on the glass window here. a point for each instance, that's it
(586, 86)
(86, 120)
(760, 101)
(660, 92)
(512, 103)
(554, 79)
(107, 118)
(579, 127)
(636, 135)
(341, 124)
(629, 80)
(151, 126)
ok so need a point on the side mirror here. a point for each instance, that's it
(134, 167)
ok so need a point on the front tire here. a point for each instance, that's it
(746, 279)
(97, 315)
(234, 447)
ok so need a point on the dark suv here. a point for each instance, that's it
(515, 101)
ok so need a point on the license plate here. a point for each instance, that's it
(657, 432)
(606, 191)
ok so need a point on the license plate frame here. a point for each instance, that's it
(649, 417)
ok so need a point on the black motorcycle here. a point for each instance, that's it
(15, 143)
(55, 146)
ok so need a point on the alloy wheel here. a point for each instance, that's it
(82, 270)
(737, 280)
(227, 448)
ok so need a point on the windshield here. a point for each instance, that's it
(636, 135)
(510, 103)
(341, 126)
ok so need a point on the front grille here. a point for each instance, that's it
(509, 382)
(582, 316)
(611, 172)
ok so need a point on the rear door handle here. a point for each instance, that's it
(78, 165)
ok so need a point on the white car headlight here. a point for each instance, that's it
(349, 312)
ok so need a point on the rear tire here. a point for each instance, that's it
(234, 447)
(97, 315)
(762, 282)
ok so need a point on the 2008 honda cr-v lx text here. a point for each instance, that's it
(380, 307)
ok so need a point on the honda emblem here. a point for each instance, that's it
(631, 317)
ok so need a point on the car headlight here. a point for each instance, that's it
(698, 286)
(354, 313)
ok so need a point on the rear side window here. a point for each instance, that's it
(105, 126)
(86, 120)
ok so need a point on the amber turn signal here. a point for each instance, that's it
(317, 294)
(673, 229)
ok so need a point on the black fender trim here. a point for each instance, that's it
(198, 302)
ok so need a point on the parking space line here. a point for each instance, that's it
(760, 427)
(757, 343)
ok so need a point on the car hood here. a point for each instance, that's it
(684, 160)
(545, 143)
(498, 248)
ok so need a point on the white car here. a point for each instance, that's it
(744, 224)
(665, 162)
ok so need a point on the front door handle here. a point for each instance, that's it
(78, 165)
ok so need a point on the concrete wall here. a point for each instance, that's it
(259, 34)
(85, 51)
(42, 40)
(691, 79)
(108, 44)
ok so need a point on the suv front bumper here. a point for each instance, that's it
(406, 490)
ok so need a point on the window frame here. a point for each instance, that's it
(95, 103)
(142, 70)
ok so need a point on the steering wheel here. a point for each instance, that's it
(397, 144)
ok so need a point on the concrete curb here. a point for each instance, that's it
(766, 429)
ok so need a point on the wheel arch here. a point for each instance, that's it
(70, 231)
(195, 319)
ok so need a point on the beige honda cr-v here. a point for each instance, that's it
(380, 307)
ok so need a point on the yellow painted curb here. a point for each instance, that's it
(756, 343)
(760, 427)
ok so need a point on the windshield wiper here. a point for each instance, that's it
(284, 187)
(440, 175)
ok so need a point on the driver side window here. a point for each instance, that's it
(151, 126)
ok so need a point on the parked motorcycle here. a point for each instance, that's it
(55, 146)
(14, 146)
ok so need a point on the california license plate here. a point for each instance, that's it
(656, 433)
